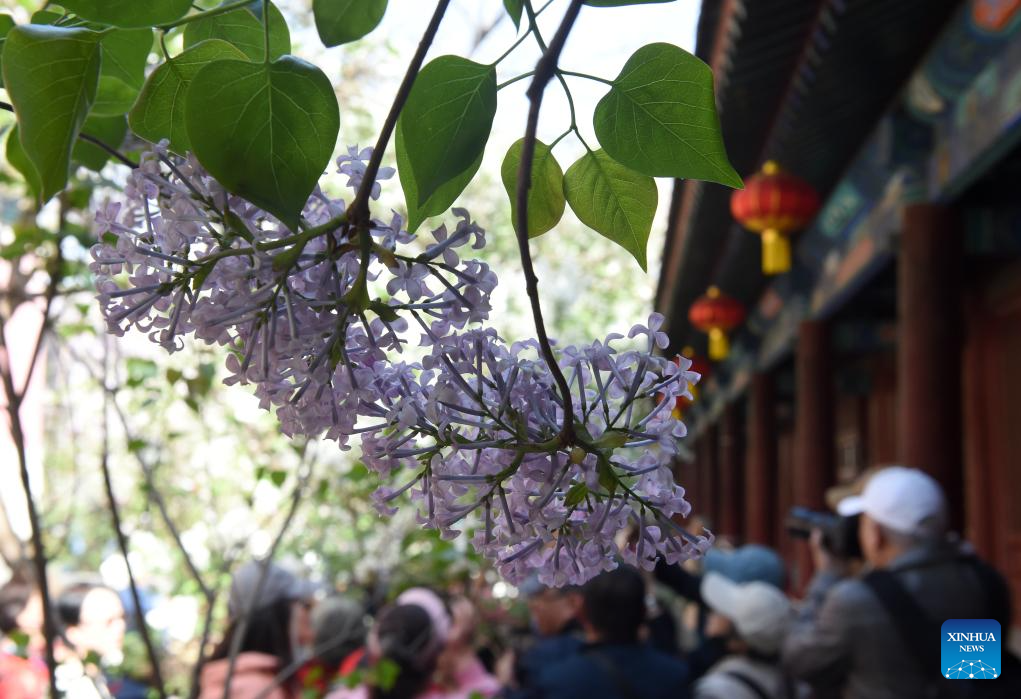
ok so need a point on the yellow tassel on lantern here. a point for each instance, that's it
(776, 252)
(719, 345)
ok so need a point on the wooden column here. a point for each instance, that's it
(760, 462)
(814, 450)
(731, 481)
(708, 477)
(929, 348)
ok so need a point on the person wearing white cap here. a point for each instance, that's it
(752, 617)
(866, 637)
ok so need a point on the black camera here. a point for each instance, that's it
(839, 534)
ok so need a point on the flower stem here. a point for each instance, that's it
(545, 70)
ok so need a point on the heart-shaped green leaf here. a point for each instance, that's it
(18, 159)
(546, 201)
(129, 13)
(613, 200)
(159, 111)
(51, 75)
(113, 96)
(264, 131)
(447, 120)
(514, 8)
(343, 21)
(124, 54)
(110, 130)
(659, 118)
(442, 198)
(243, 28)
(6, 25)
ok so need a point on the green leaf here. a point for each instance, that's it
(265, 131)
(342, 21)
(613, 200)
(447, 120)
(159, 111)
(442, 199)
(18, 159)
(6, 25)
(129, 13)
(124, 54)
(114, 97)
(140, 371)
(659, 118)
(607, 478)
(51, 75)
(109, 130)
(545, 197)
(243, 28)
(514, 8)
(576, 495)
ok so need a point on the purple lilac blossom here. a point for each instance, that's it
(470, 430)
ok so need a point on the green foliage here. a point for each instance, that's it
(613, 200)
(514, 8)
(6, 25)
(264, 131)
(159, 111)
(124, 54)
(342, 21)
(546, 200)
(110, 130)
(128, 13)
(659, 118)
(18, 159)
(51, 75)
(245, 30)
(113, 96)
(447, 120)
(442, 199)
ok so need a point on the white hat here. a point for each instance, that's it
(759, 611)
(904, 499)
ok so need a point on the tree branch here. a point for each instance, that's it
(242, 627)
(122, 543)
(38, 547)
(545, 70)
(360, 206)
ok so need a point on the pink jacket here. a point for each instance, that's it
(253, 673)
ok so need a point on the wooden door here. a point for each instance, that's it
(992, 434)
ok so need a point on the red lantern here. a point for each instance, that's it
(717, 315)
(774, 204)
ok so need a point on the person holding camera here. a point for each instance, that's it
(875, 635)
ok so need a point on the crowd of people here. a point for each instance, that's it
(721, 628)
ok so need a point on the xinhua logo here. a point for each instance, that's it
(971, 649)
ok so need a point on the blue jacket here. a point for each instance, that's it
(612, 671)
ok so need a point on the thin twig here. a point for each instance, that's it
(360, 207)
(122, 543)
(242, 624)
(91, 139)
(148, 475)
(14, 400)
(545, 70)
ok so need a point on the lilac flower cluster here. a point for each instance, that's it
(471, 428)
